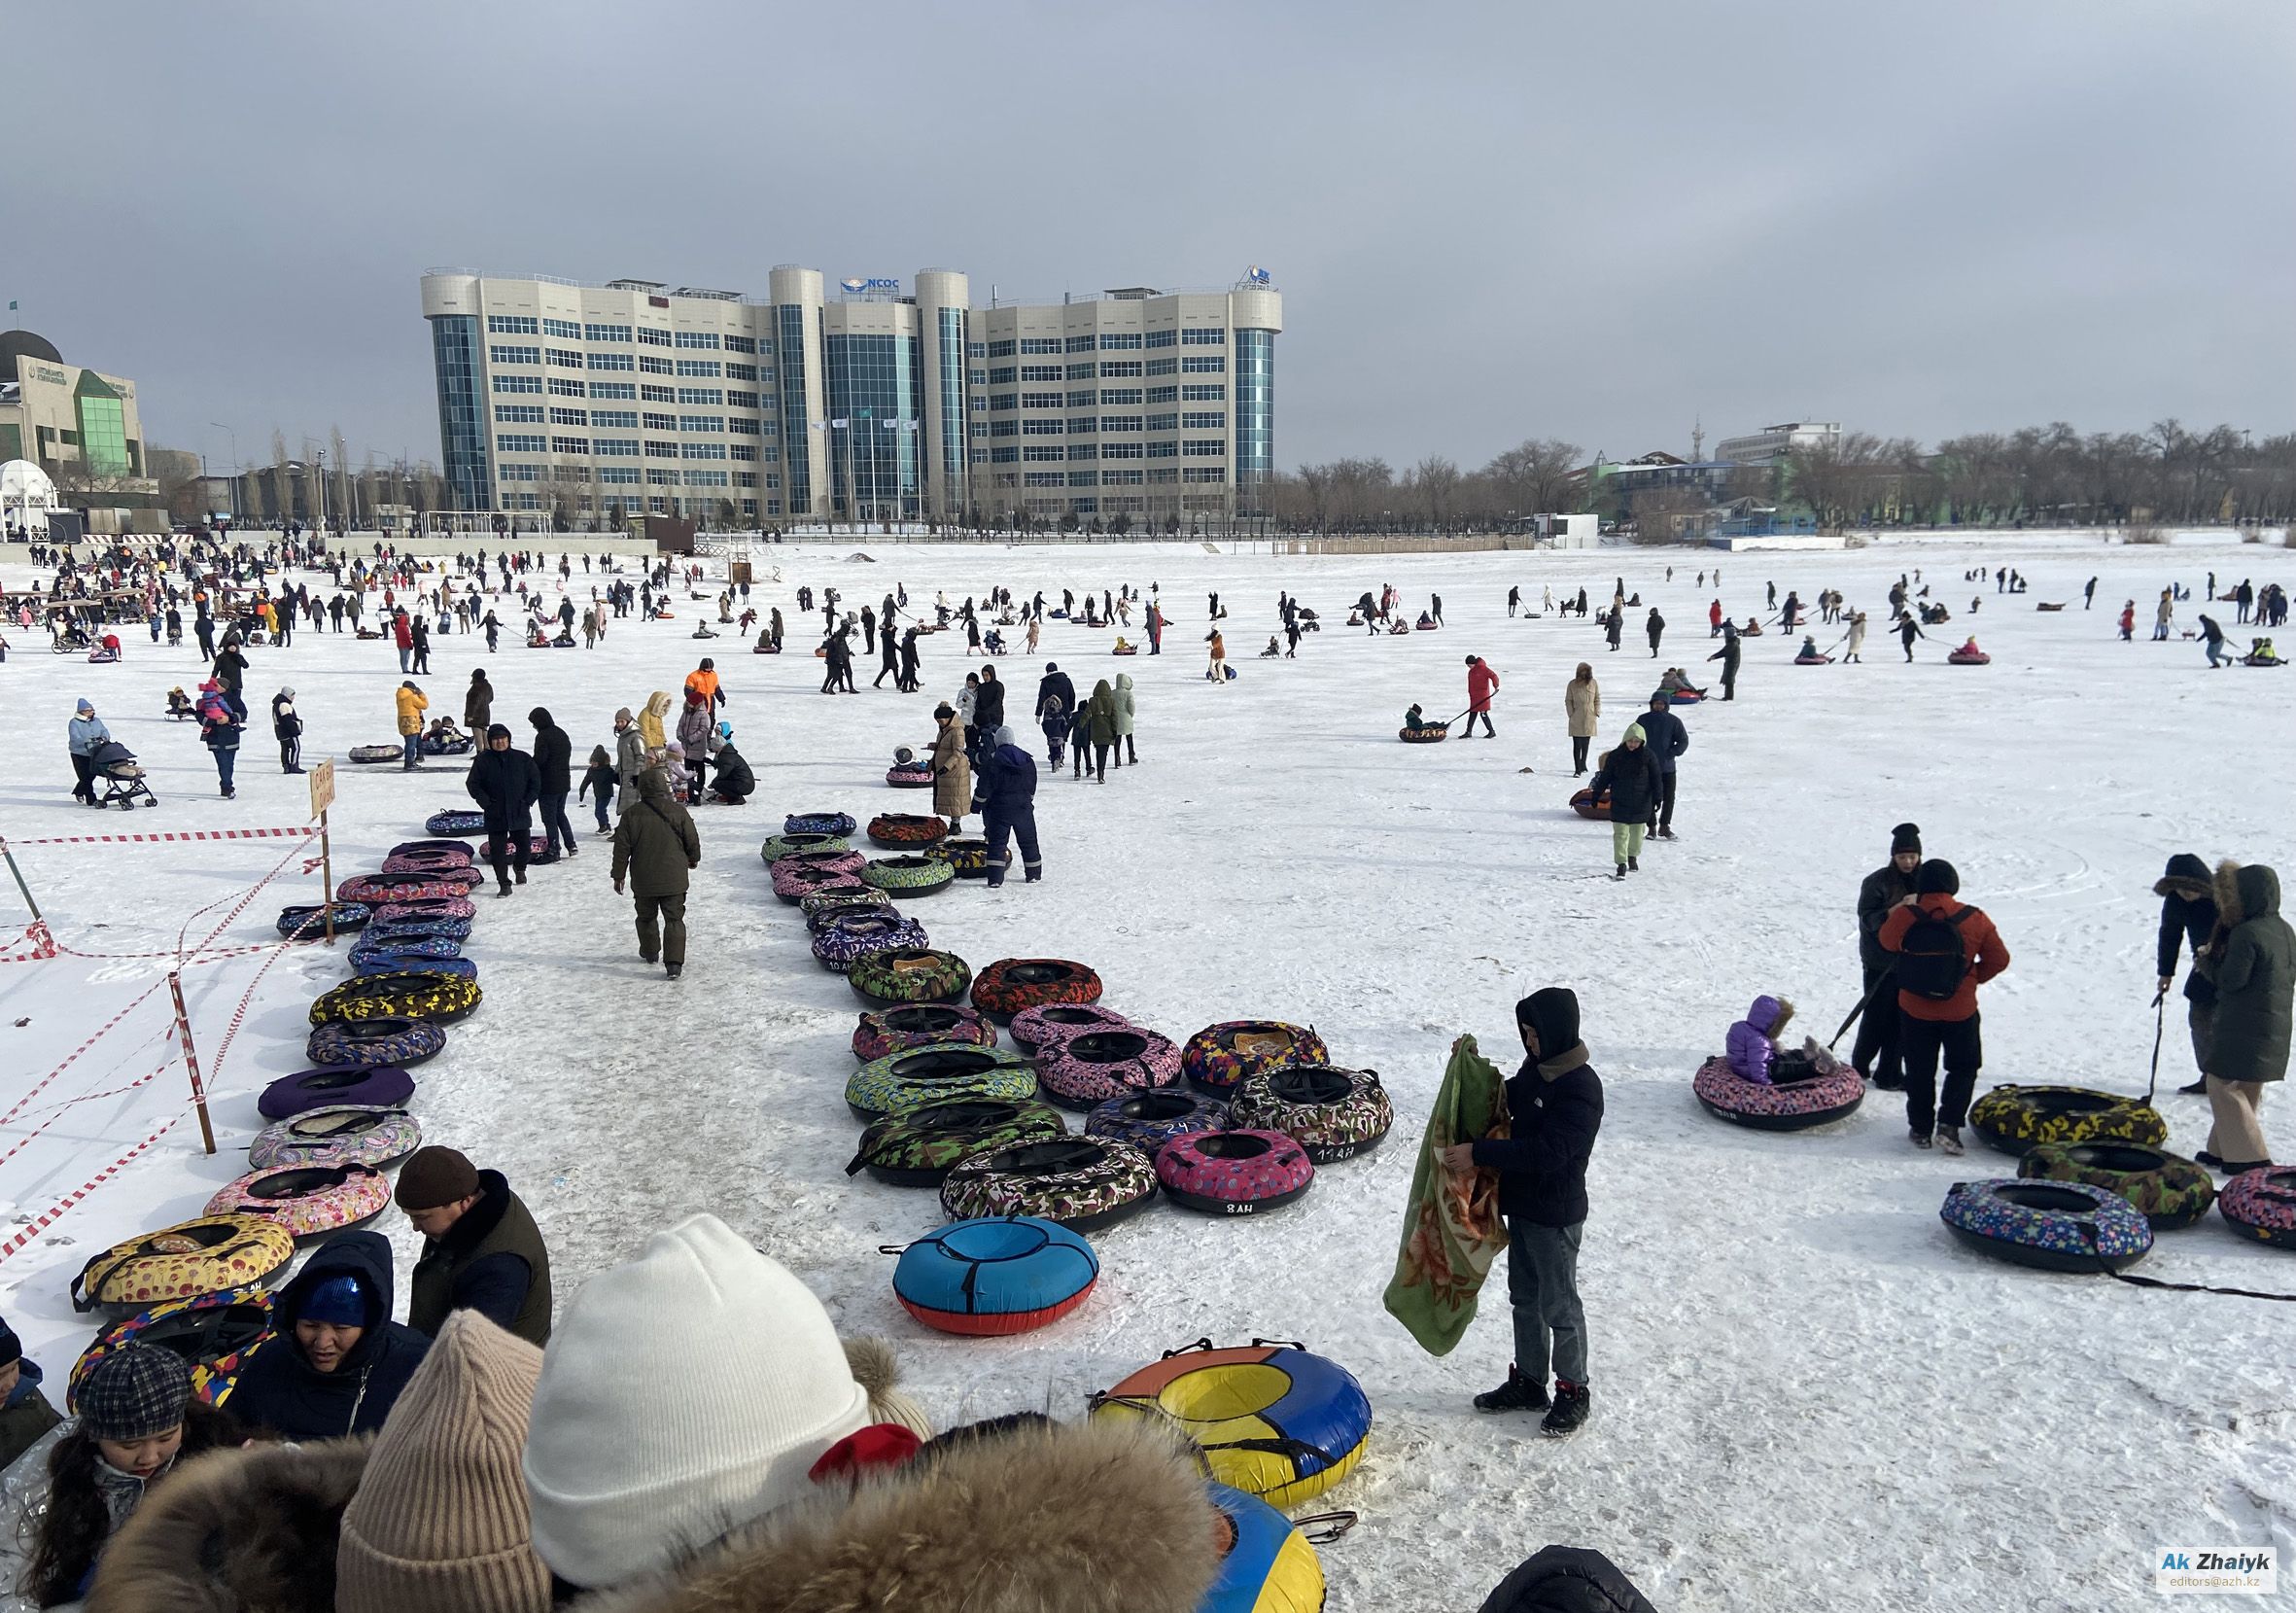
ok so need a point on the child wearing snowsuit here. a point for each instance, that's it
(1055, 730)
(1752, 1042)
(1080, 735)
(597, 783)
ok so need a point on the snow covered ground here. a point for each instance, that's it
(1806, 1394)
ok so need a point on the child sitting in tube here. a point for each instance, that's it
(1413, 720)
(1809, 649)
(1752, 1044)
(1970, 647)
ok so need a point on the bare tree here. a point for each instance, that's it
(1436, 481)
(1535, 477)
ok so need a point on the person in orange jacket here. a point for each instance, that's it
(1945, 951)
(704, 679)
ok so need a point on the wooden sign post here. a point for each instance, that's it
(323, 797)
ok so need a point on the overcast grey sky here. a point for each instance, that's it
(1592, 219)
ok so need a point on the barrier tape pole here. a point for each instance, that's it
(39, 927)
(183, 1028)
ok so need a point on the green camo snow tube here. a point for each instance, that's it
(942, 1073)
(917, 1147)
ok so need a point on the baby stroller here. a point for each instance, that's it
(123, 779)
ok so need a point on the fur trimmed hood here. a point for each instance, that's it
(2186, 876)
(249, 1531)
(1098, 1517)
(2245, 892)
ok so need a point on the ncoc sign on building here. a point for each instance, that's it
(81, 429)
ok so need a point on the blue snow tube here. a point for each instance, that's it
(1267, 1565)
(403, 963)
(995, 1274)
(416, 930)
(397, 943)
(838, 823)
(455, 823)
(2057, 1226)
(306, 921)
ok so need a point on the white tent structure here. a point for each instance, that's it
(26, 496)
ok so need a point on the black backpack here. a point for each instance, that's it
(1932, 958)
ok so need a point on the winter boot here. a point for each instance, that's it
(520, 876)
(502, 886)
(1921, 1139)
(1621, 871)
(673, 970)
(2195, 1089)
(1634, 864)
(1517, 1394)
(1574, 1404)
(1949, 1140)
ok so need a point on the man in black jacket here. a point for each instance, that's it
(1629, 776)
(1729, 655)
(553, 760)
(1555, 1102)
(506, 785)
(1663, 732)
(1004, 794)
(2188, 912)
(1875, 1054)
(987, 714)
(1054, 685)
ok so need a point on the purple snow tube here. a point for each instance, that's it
(381, 1086)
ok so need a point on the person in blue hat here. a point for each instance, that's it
(337, 1361)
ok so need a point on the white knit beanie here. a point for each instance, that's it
(684, 1393)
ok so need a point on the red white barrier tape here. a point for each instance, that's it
(49, 1218)
(43, 944)
(143, 1080)
(304, 831)
(71, 1057)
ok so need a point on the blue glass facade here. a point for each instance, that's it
(462, 410)
(875, 383)
(795, 422)
(1254, 418)
(952, 446)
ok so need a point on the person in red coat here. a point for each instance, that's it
(1713, 619)
(1939, 968)
(402, 639)
(1481, 683)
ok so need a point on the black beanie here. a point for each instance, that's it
(1936, 877)
(1906, 837)
(1554, 1012)
(11, 1347)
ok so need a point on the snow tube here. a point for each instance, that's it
(387, 1038)
(1813, 660)
(455, 822)
(459, 849)
(413, 994)
(426, 863)
(204, 1255)
(310, 919)
(372, 1086)
(818, 822)
(996, 1276)
(1233, 1173)
(214, 1333)
(848, 936)
(1149, 1120)
(918, 1147)
(400, 943)
(382, 889)
(1011, 985)
(1086, 1071)
(1219, 1056)
(967, 856)
(417, 930)
(2014, 1118)
(2262, 1204)
(1332, 1114)
(1275, 1421)
(341, 1134)
(2057, 1226)
(538, 850)
(1038, 1030)
(908, 876)
(938, 1072)
(1953, 657)
(845, 862)
(462, 745)
(1080, 1182)
(307, 1200)
(1266, 1563)
(794, 881)
(1435, 733)
(919, 1025)
(1125, 649)
(779, 846)
(831, 898)
(919, 777)
(906, 829)
(375, 962)
(909, 974)
(1800, 1094)
(1586, 804)
(367, 756)
(1685, 697)
(2170, 1191)
(427, 909)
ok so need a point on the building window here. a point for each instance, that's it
(1000, 350)
(1038, 453)
(1004, 428)
(746, 427)
(746, 451)
(1083, 450)
(619, 475)
(1210, 421)
(613, 361)
(1204, 336)
(1120, 341)
(570, 445)
(1164, 422)
(622, 419)
(976, 349)
(512, 325)
(1039, 372)
(658, 449)
(698, 369)
(701, 423)
(520, 473)
(649, 337)
(1119, 478)
(1002, 456)
(1121, 423)
(1079, 345)
(568, 417)
(518, 415)
(1164, 394)
(617, 447)
(1168, 448)
(1046, 428)
(612, 388)
(1003, 376)
(1046, 479)
(736, 399)
(1203, 448)
(565, 330)
(658, 394)
(1204, 473)
(980, 377)
(697, 338)
(660, 422)
(606, 333)
(740, 371)
(1040, 344)
(1163, 474)
(1083, 507)
(653, 366)
(1119, 369)
(565, 357)
(739, 344)
(1084, 478)
(1213, 364)
(702, 394)
(518, 383)
(504, 353)
(1000, 401)
(562, 387)
(1124, 395)
(1161, 338)
(520, 442)
(1204, 393)
(705, 478)
(1046, 400)
(1123, 450)
(1163, 367)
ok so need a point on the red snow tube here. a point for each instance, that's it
(1233, 1173)
(1011, 985)
(1957, 658)
(1686, 697)
(1799, 1095)
(2262, 1204)
(1585, 804)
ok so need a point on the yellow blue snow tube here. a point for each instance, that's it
(1266, 1563)
(1273, 1420)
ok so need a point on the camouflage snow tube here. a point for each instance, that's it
(1013, 985)
(883, 1030)
(848, 938)
(919, 775)
(793, 882)
(908, 876)
(938, 1072)
(2171, 1190)
(384, 890)
(779, 846)
(426, 863)
(1040, 1030)
(427, 909)
(361, 1044)
(2261, 1203)
(967, 856)
(411, 995)
(818, 822)
(1084, 1071)
(306, 921)
(1332, 1114)
(918, 1147)
(1081, 1182)
(1219, 1056)
(906, 829)
(1148, 1120)
(840, 899)
(2014, 1118)
(909, 974)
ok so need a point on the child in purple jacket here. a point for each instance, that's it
(1753, 1041)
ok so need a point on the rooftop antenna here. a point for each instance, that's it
(1698, 442)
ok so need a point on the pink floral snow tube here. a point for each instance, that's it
(1086, 1071)
(1808, 1094)
(1233, 1173)
(1042, 1029)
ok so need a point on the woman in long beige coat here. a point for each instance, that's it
(1582, 702)
(953, 774)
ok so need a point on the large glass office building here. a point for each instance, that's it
(875, 399)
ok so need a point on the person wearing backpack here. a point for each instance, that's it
(1945, 950)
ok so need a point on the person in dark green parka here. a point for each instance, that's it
(1099, 716)
(2253, 965)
